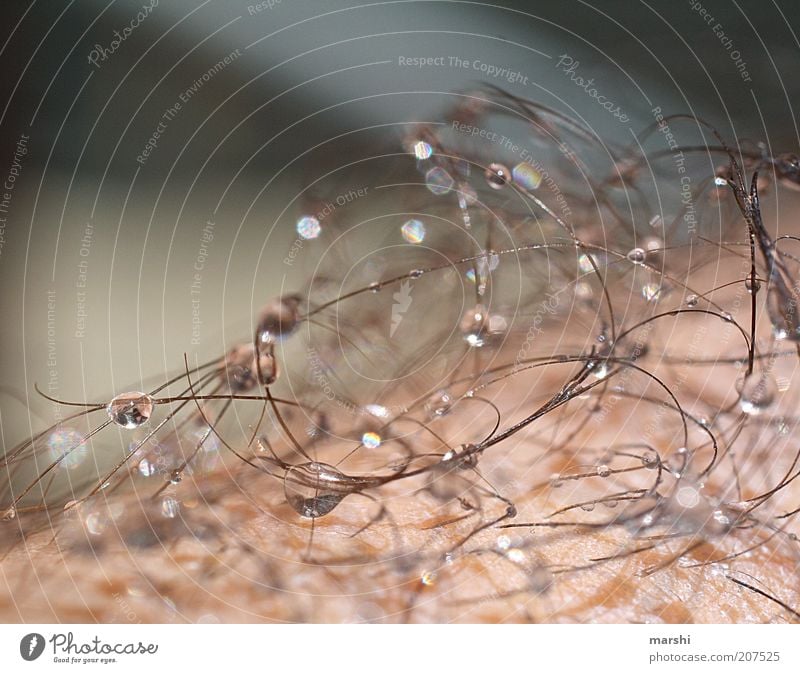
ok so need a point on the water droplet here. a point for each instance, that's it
(375, 288)
(692, 300)
(68, 446)
(413, 231)
(516, 555)
(585, 263)
(96, 523)
(748, 283)
(130, 410)
(242, 369)
(428, 578)
(603, 470)
(146, 468)
(416, 273)
(721, 518)
(9, 514)
(170, 507)
(650, 460)
(474, 326)
(526, 176)
(377, 410)
(279, 319)
(611, 504)
(720, 182)
(422, 150)
(503, 542)
(757, 393)
(600, 369)
(314, 489)
(497, 176)
(439, 404)
(587, 507)
(651, 291)
(687, 496)
(371, 440)
(637, 255)
(308, 227)
(438, 181)
(175, 477)
(727, 317)
(556, 481)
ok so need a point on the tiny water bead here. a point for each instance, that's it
(308, 227)
(503, 542)
(637, 255)
(279, 318)
(422, 150)
(692, 300)
(603, 470)
(314, 489)
(67, 446)
(428, 578)
(130, 410)
(757, 393)
(413, 231)
(438, 181)
(497, 176)
(526, 176)
(752, 288)
(371, 440)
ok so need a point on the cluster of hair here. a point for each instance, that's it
(539, 331)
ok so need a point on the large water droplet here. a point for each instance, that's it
(497, 176)
(637, 255)
(311, 489)
(279, 319)
(242, 369)
(130, 410)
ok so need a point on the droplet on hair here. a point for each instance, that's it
(751, 288)
(637, 256)
(757, 393)
(474, 327)
(497, 176)
(692, 300)
(439, 404)
(279, 319)
(130, 410)
(314, 489)
(603, 470)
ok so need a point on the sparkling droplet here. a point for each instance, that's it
(438, 181)
(415, 273)
(314, 489)
(556, 481)
(439, 404)
(503, 542)
(170, 507)
(371, 440)
(637, 255)
(721, 518)
(720, 182)
(175, 477)
(413, 231)
(279, 319)
(603, 470)
(516, 555)
(130, 410)
(497, 176)
(428, 578)
(377, 410)
(375, 288)
(526, 176)
(757, 393)
(308, 227)
(651, 291)
(692, 300)
(96, 523)
(727, 317)
(600, 370)
(422, 150)
(67, 446)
